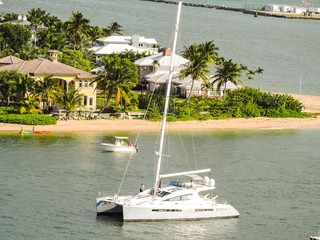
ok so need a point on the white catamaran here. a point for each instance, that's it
(185, 200)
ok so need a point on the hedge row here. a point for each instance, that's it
(28, 119)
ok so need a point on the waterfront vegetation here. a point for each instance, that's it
(241, 103)
(118, 91)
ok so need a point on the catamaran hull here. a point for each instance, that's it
(110, 205)
(159, 213)
(108, 208)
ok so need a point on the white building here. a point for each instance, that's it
(122, 44)
(284, 9)
(154, 70)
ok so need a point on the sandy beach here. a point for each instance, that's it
(311, 104)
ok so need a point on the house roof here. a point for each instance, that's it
(10, 60)
(161, 77)
(125, 40)
(118, 48)
(163, 59)
(43, 66)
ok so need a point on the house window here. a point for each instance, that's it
(80, 84)
(86, 84)
(85, 100)
(91, 101)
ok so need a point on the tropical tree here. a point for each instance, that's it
(8, 86)
(75, 59)
(200, 57)
(25, 85)
(14, 36)
(114, 28)
(95, 32)
(207, 86)
(227, 71)
(77, 28)
(70, 101)
(6, 17)
(53, 22)
(117, 80)
(37, 17)
(29, 104)
(51, 39)
(46, 89)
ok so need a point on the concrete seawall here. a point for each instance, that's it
(254, 12)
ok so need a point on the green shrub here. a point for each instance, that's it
(28, 119)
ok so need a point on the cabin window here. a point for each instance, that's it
(163, 193)
(181, 198)
(186, 197)
(175, 199)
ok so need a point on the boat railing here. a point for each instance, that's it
(104, 194)
(218, 200)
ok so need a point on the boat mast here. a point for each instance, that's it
(165, 111)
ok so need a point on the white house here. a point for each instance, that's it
(185, 87)
(122, 44)
(154, 70)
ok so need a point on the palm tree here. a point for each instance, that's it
(30, 103)
(251, 73)
(51, 39)
(117, 79)
(37, 17)
(77, 27)
(95, 33)
(25, 85)
(8, 84)
(207, 86)
(114, 28)
(70, 101)
(46, 89)
(227, 71)
(200, 57)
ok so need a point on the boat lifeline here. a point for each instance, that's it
(189, 198)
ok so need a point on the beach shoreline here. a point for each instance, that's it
(311, 105)
(150, 126)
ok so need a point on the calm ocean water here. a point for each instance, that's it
(287, 50)
(48, 184)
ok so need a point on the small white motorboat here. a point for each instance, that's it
(121, 144)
